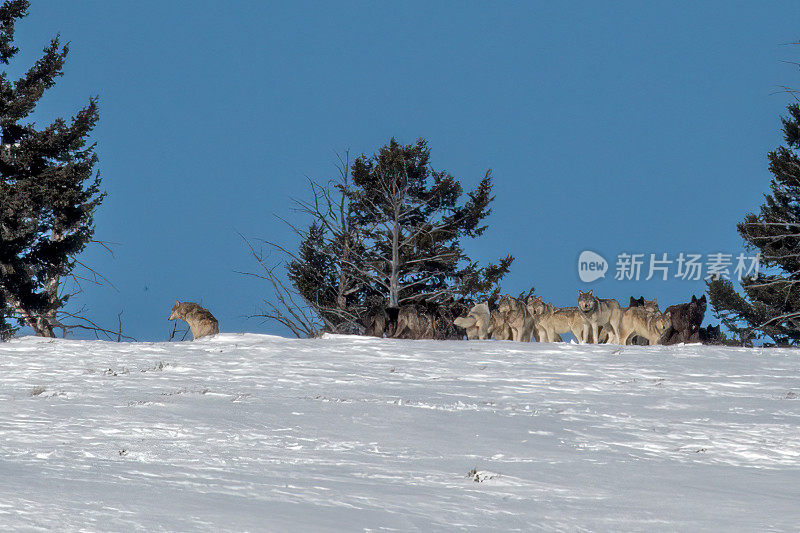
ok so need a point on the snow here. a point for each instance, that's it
(245, 432)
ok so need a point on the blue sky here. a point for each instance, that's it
(609, 126)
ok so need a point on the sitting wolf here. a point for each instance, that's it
(201, 321)
(476, 322)
(599, 313)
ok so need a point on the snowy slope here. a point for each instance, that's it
(250, 432)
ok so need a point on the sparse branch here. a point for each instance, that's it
(89, 325)
(287, 310)
(97, 278)
(106, 245)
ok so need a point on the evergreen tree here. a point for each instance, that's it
(770, 306)
(48, 188)
(314, 273)
(386, 233)
(413, 223)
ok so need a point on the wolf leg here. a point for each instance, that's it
(616, 334)
(621, 334)
(585, 336)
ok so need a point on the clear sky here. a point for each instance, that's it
(610, 126)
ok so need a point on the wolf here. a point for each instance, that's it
(711, 335)
(414, 324)
(679, 330)
(552, 321)
(476, 322)
(686, 320)
(200, 320)
(445, 312)
(699, 312)
(532, 302)
(499, 328)
(376, 322)
(637, 302)
(638, 322)
(651, 306)
(599, 312)
(517, 318)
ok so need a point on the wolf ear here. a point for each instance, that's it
(590, 292)
(177, 302)
(694, 298)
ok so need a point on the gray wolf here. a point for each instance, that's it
(637, 302)
(711, 335)
(686, 320)
(421, 320)
(637, 321)
(552, 321)
(517, 317)
(499, 328)
(599, 313)
(477, 321)
(376, 322)
(698, 313)
(414, 324)
(200, 320)
(651, 306)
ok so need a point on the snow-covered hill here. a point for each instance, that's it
(251, 432)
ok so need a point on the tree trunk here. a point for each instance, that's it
(44, 323)
(346, 227)
(394, 282)
(42, 326)
(341, 300)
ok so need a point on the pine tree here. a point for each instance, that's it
(48, 188)
(413, 224)
(314, 274)
(387, 232)
(770, 306)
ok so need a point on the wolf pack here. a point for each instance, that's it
(592, 320)
(523, 319)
